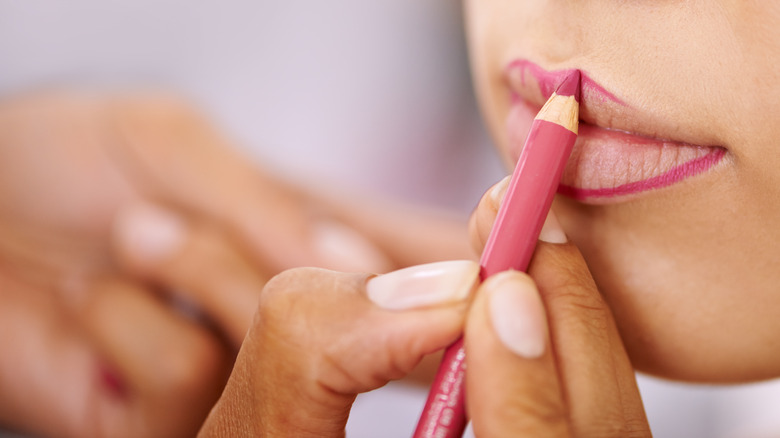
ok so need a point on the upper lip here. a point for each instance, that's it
(598, 106)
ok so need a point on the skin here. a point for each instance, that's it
(689, 270)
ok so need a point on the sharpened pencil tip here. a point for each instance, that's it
(570, 85)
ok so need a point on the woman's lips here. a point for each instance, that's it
(612, 162)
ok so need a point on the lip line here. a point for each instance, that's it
(549, 80)
(610, 109)
(668, 178)
(598, 106)
(672, 176)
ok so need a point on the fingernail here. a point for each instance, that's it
(552, 231)
(424, 285)
(517, 314)
(342, 248)
(498, 191)
(149, 233)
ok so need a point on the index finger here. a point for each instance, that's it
(193, 261)
(170, 370)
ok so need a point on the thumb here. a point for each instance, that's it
(512, 383)
(319, 338)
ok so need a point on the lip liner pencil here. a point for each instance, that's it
(512, 240)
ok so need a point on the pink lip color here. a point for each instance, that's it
(608, 164)
(683, 161)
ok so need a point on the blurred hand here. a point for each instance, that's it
(121, 364)
(110, 209)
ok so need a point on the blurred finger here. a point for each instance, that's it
(153, 347)
(171, 369)
(183, 160)
(512, 381)
(408, 234)
(482, 218)
(194, 261)
(45, 366)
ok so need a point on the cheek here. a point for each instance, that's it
(493, 26)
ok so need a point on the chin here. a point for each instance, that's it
(666, 340)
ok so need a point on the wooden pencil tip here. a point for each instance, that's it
(570, 85)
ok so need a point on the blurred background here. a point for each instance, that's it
(374, 95)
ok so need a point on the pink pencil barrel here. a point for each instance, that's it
(511, 242)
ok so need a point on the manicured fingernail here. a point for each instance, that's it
(149, 233)
(424, 285)
(498, 191)
(342, 248)
(552, 231)
(517, 313)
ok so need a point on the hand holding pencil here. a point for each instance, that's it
(544, 356)
(538, 365)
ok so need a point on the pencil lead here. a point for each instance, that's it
(570, 85)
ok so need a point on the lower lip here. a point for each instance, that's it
(608, 166)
